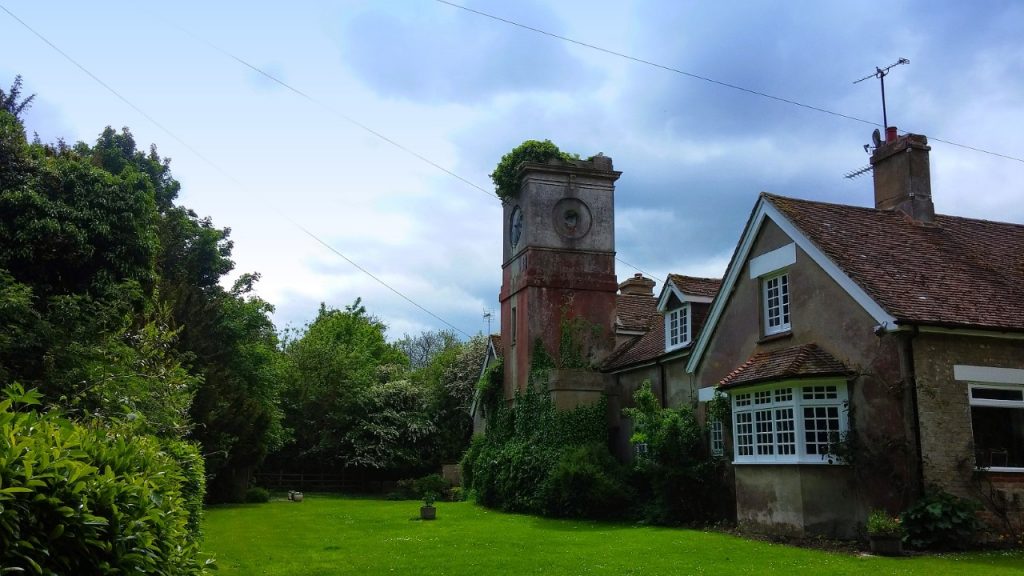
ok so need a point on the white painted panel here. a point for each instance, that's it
(706, 394)
(772, 261)
(988, 374)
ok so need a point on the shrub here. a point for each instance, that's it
(82, 499)
(457, 494)
(941, 520)
(193, 485)
(586, 482)
(523, 444)
(679, 482)
(257, 495)
(880, 523)
(432, 484)
(505, 175)
(468, 462)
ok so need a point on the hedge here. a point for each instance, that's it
(87, 499)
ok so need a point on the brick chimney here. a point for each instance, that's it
(903, 177)
(638, 286)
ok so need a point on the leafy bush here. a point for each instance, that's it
(432, 484)
(257, 495)
(457, 494)
(941, 520)
(491, 389)
(193, 485)
(87, 500)
(880, 523)
(586, 482)
(678, 481)
(505, 175)
(523, 444)
(476, 444)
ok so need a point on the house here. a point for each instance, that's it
(654, 340)
(492, 354)
(869, 354)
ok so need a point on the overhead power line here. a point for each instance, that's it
(355, 122)
(707, 79)
(230, 177)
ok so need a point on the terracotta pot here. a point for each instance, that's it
(886, 545)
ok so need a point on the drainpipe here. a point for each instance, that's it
(906, 353)
(664, 384)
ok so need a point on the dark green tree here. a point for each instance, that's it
(333, 364)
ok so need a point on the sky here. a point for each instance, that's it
(280, 166)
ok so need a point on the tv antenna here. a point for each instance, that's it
(487, 318)
(881, 73)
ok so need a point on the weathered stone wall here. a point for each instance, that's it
(947, 439)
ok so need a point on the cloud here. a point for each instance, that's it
(446, 55)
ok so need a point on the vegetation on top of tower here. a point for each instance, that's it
(505, 175)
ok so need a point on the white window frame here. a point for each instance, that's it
(782, 311)
(717, 437)
(678, 335)
(767, 405)
(992, 378)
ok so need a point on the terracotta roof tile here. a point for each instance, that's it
(641, 348)
(957, 272)
(795, 362)
(696, 286)
(651, 345)
(496, 342)
(635, 312)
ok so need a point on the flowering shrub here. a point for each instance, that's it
(880, 523)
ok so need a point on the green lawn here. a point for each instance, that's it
(328, 535)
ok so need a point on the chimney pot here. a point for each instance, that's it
(902, 176)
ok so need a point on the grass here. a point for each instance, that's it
(328, 535)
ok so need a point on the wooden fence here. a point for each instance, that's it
(318, 482)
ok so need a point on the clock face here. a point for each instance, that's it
(516, 226)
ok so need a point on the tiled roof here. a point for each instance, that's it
(795, 362)
(957, 272)
(696, 286)
(640, 348)
(635, 312)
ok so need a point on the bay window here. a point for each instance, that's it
(789, 422)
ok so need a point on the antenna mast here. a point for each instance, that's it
(881, 73)
(487, 318)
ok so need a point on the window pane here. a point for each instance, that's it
(785, 431)
(997, 394)
(744, 434)
(717, 438)
(998, 436)
(821, 427)
(763, 425)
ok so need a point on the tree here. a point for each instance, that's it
(423, 348)
(332, 364)
(9, 101)
(111, 303)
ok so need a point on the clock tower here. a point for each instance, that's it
(558, 275)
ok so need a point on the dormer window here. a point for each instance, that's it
(771, 270)
(775, 302)
(677, 327)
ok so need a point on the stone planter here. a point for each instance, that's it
(886, 545)
(428, 512)
(295, 496)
